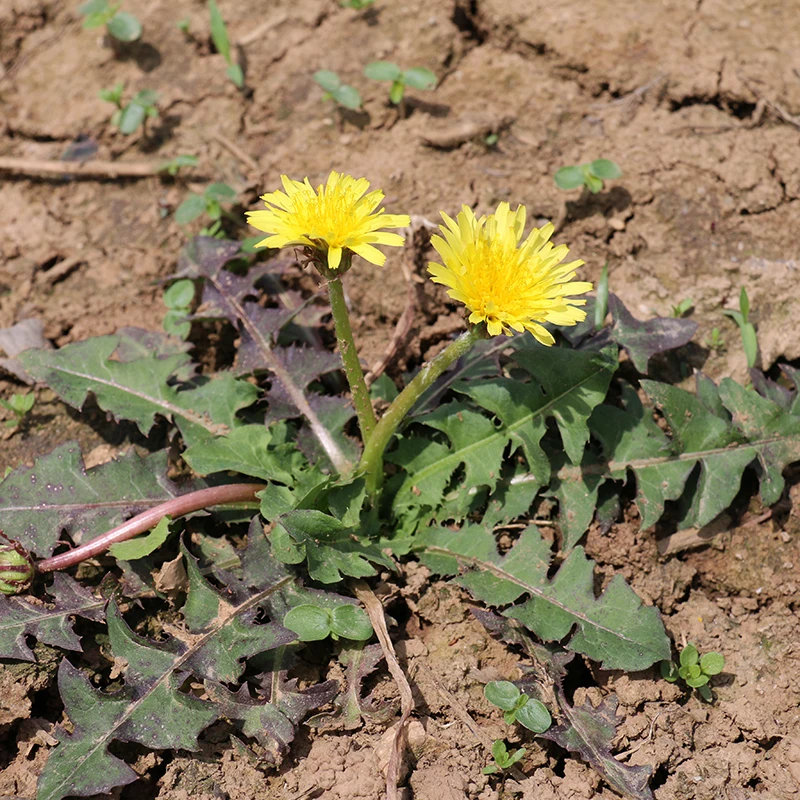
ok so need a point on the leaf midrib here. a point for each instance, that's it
(503, 433)
(498, 572)
(109, 735)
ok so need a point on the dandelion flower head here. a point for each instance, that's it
(508, 285)
(338, 216)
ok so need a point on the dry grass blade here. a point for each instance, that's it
(375, 611)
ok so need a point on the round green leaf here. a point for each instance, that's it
(328, 80)
(502, 694)
(125, 27)
(605, 169)
(712, 663)
(176, 324)
(131, 118)
(569, 177)
(93, 7)
(693, 671)
(180, 294)
(348, 97)
(351, 622)
(534, 716)
(383, 71)
(146, 97)
(190, 209)
(220, 191)
(696, 681)
(419, 78)
(689, 656)
(310, 623)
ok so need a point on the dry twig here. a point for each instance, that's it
(85, 169)
(375, 611)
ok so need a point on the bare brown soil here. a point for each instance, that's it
(695, 100)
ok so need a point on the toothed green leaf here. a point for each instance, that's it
(139, 390)
(613, 628)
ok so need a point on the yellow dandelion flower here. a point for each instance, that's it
(508, 285)
(339, 216)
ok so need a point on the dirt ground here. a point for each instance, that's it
(695, 99)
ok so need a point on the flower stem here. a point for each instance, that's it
(352, 366)
(177, 507)
(371, 464)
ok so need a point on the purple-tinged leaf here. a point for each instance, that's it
(228, 633)
(351, 708)
(585, 730)
(643, 340)
(58, 493)
(271, 719)
(231, 297)
(142, 389)
(589, 732)
(149, 710)
(49, 622)
(772, 390)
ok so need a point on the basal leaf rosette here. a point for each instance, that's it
(338, 217)
(508, 285)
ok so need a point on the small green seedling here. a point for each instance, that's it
(491, 139)
(119, 24)
(313, 623)
(503, 760)
(748, 331)
(178, 298)
(415, 78)
(682, 308)
(715, 341)
(176, 164)
(19, 405)
(184, 25)
(518, 707)
(128, 118)
(695, 670)
(209, 203)
(341, 94)
(219, 35)
(356, 4)
(591, 175)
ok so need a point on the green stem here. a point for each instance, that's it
(371, 463)
(352, 366)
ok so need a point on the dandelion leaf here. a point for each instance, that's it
(58, 493)
(229, 632)
(585, 730)
(613, 628)
(49, 622)
(643, 340)
(565, 386)
(718, 432)
(149, 710)
(141, 389)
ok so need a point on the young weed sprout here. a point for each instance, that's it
(358, 5)
(210, 203)
(178, 298)
(341, 94)
(219, 35)
(591, 175)
(746, 328)
(120, 24)
(20, 406)
(130, 116)
(694, 670)
(414, 78)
